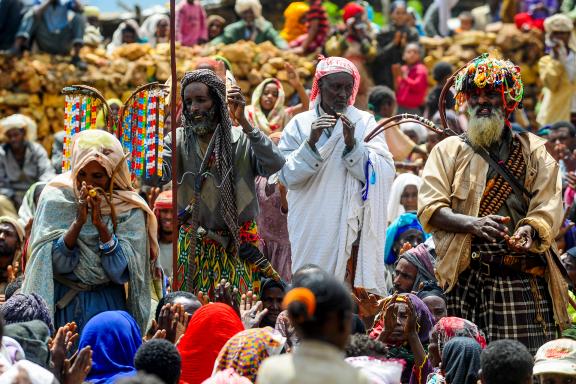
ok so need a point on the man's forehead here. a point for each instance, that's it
(7, 227)
(338, 77)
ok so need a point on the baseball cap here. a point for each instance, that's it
(557, 356)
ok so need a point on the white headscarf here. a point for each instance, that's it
(19, 121)
(117, 36)
(148, 28)
(560, 23)
(421, 132)
(244, 5)
(395, 208)
(444, 8)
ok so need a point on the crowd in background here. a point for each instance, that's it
(303, 326)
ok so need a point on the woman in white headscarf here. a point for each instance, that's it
(156, 29)
(127, 32)
(92, 235)
(403, 195)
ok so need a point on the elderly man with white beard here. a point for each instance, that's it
(492, 199)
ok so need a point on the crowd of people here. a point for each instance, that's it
(309, 248)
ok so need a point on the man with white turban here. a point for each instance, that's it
(558, 71)
(251, 27)
(22, 161)
(338, 185)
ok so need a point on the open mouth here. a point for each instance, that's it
(484, 111)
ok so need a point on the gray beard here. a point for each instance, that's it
(200, 127)
(484, 131)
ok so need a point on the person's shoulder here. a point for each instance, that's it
(37, 147)
(276, 369)
(450, 145)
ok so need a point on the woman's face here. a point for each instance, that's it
(269, 97)
(215, 29)
(409, 198)
(162, 28)
(397, 336)
(94, 175)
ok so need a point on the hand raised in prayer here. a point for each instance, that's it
(293, 77)
(60, 345)
(226, 294)
(411, 326)
(237, 103)
(94, 202)
(12, 271)
(522, 240)
(173, 320)
(368, 304)
(76, 369)
(318, 126)
(390, 319)
(82, 212)
(489, 227)
(251, 312)
(348, 131)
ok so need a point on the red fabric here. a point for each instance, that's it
(525, 20)
(209, 329)
(329, 65)
(351, 10)
(411, 90)
(163, 201)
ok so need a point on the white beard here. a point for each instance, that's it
(484, 131)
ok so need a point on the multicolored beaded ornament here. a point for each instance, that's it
(139, 127)
(485, 71)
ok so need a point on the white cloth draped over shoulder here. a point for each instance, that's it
(327, 212)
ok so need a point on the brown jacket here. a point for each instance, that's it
(455, 177)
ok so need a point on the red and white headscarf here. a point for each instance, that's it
(330, 65)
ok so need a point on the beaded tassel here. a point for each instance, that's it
(83, 115)
(88, 120)
(68, 104)
(151, 134)
(160, 136)
(93, 114)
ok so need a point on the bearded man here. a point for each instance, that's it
(338, 185)
(492, 199)
(217, 203)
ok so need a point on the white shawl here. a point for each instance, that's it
(326, 211)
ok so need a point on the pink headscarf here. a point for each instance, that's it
(330, 65)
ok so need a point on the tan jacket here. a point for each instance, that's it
(557, 92)
(455, 176)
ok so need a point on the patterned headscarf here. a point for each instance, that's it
(449, 327)
(422, 259)
(219, 152)
(328, 66)
(247, 350)
(461, 360)
(275, 119)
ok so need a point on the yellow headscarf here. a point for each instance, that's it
(293, 28)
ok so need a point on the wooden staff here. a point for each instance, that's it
(173, 90)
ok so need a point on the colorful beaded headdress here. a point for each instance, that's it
(485, 71)
(139, 127)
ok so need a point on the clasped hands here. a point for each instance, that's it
(328, 121)
(493, 228)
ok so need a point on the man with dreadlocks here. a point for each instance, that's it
(492, 199)
(337, 182)
(217, 203)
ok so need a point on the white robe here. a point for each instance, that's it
(326, 211)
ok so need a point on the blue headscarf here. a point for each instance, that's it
(403, 223)
(114, 337)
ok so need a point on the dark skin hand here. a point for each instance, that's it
(76, 370)
(60, 345)
(251, 310)
(491, 228)
(318, 126)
